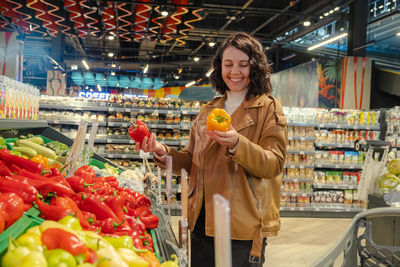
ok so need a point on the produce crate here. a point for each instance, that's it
(99, 164)
(155, 244)
(10, 141)
(18, 228)
(34, 212)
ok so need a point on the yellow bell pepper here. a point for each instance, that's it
(31, 241)
(218, 120)
(94, 241)
(34, 230)
(173, 263)
(111, 258)
(131, 258)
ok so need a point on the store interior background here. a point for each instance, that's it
(122, 41)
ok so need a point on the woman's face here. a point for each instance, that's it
(235, 69)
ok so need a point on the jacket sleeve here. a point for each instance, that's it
(180, 159)
(267, 158)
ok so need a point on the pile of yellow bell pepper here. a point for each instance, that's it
(74, 247)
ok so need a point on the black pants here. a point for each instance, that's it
(202, 248)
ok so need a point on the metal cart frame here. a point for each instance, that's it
(356, 246)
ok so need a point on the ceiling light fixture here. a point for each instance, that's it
(208, 73)
(146, 68)
(306, 23)
(113, 65)
(110, 37)
(99, 87)
(87, 87)
(85, 64)
(328, 41)
(180, 70)
(291, 55)
(398, 34)
(110, 54)
(190, 83)
(196, 59)
(112, 73)
(74, 67)
(336, 8)
(212, 44)
(176, 77)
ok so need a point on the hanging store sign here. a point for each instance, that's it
(94, 95)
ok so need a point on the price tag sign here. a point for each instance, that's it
(141, 110)
(124, 156)
(335, 187)
(337, 166)
(110, 156)
(169, 112)
(292, 209)
(132, 142)
(56, 121)
(184, 112)
(301, 166)
(111, 109)
(301, 209)
(302, 152)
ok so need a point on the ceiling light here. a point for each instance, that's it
(291, 55)
(87, 87)
(212, 44)
(307, 23)
(146, 68)
(321, 17)
(190, 83)
(336, 8)
(164, 13)
(176, 77)
(91, 90)
(331, 11)
(110, 54)
(99, 87)
(326, 14)
(112, 73)
(110, 37)
(328, 41)
(74, 67)
(398, 34)
(208, 73)
(180, 70)
(85, 64)
(113, 65)
(196, 59)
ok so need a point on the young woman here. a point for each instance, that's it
(244, 164)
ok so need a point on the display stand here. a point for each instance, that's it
(222, 238)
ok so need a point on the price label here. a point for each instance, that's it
(322, 125)
(111, 109)
(110, 156)
(337, 166)
(317, 209)
(302, 152)
(169, 127)
(111, 124)
(335, 187)
(292, 209)
(184, 112)
(169, 112)
(301, 166)
(56, 121)
(304, 194)
(141, 110)
(302, 139)
(124, 156)
(132, 142)
(109, 141)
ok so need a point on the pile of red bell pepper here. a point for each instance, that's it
(98, 202)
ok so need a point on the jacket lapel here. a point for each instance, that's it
(244, 117)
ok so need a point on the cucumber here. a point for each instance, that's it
(44, 151)
(37, 140)
(30, 152)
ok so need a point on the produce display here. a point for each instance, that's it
(391, 179)
(99, 222)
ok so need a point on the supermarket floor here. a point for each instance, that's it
(301, 241)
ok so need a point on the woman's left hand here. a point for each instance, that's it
(229, 138)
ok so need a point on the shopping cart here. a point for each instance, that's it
(358, 246)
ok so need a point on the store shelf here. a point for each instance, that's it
(122, 156)
(118, 124)
(336, 207)
(297, 194)
(339, 166)
(333, 145)
(298, 166)
(171, 143)
(74, 107)
(301, 138)
(68, 122)
(175, 188)
(301, 152)
(164, 126)
(301, 180)
(299, 124)
(21, 124)
(284, 208)
(334, 186)
(152, 110)
(190, 111)
(120, 141)
(345, 126)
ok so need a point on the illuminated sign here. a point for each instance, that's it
(94, 95)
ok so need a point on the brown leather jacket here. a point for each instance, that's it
(250, 179)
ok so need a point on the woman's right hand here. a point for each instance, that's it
(151, 145)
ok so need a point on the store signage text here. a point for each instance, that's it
(94, 95)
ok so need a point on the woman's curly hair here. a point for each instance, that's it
(260, 69)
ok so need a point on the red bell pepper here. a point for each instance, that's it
(150, 221)
(68, 203)
(99, 188)
(109, 226)
(147, 241)
(54, 238)
(142, 211)
(112, 180)
(51, 212)
(86, 172)
(136, 225)
(138, 131)
(92, 256)
(89, 217)
(137, 242)
(14, 168)
(12, 207)
(77, 183)
(20, 162)
(26, 191)
(116, 203)
(55, 171)
(27, 206)
(142, 200)
(99, 208)
(59, 179)
(4, 170)
(2, 222)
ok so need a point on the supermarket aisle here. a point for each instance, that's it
(301, 241)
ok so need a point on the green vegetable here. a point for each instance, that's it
(71, 222)
(44, 151)
(2, 143)
(58, 147)
(37, 140)
(111, 170)
(120, 242)
(61, 159)
(30, 152)
(388, 181)
(60, 257)
(21, 256)
(394, 166)
(16, 153)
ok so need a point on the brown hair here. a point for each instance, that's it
(260, 69)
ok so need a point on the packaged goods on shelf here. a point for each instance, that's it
(18, 100)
